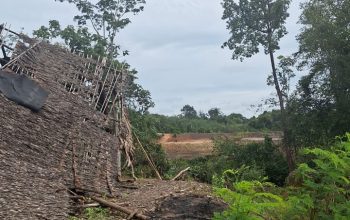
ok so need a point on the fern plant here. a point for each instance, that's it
(324, 192)
(250, 200)
(326, 180)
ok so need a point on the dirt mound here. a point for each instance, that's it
(188, 207)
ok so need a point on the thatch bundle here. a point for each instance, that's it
(63, 146)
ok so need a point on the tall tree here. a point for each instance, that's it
(107, 18)
(188, 111)
(78, 39)
(255, 23)
(214, 113)
(323, 96)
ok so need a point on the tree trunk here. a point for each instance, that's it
(286, 135)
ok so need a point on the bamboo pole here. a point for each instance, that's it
(67, 75)
(113, 103)
(98, 68)
(103, 85)
(109, 94)
(86, 71)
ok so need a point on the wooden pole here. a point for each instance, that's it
(86, 71)
(119, 155)
(113, 103)
(180, 173)
(104, 82)
(109, 94)
(148, 158)
(119, 208)
(12, 32)
(97, 74)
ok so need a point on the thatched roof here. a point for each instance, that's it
(68, 144)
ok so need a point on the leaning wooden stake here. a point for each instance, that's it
(119, 208)
(180, 173)
(148, 157)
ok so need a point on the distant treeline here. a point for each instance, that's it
(214, 121)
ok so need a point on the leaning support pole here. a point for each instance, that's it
(120, 208)
(12, 32)
(116, 133)
(180, 173)
(148, 158)
(119, 164)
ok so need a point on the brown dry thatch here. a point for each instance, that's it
(66, 144)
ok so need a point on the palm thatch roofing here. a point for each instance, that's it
(70, 143)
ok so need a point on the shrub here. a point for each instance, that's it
(257, 159)
(249, 200)
(156, 152)
(244, 173)
(264, 156)
(175, 166)
(324, 192)
(326, 180)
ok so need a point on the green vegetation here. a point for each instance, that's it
(262, 160)
(214, 122)
(144, 129)
(321, 190)
(263, 156)
(97, 213)
(180, 124)
(261, 23)
(319, 109)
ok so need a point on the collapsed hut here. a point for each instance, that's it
(72, 142)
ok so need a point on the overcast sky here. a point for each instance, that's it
(176, 47)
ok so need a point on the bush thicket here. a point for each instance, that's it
(323, 191)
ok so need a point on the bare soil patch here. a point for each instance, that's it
(193, 145)
(188, 150)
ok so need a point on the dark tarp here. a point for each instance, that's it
(22, 90)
